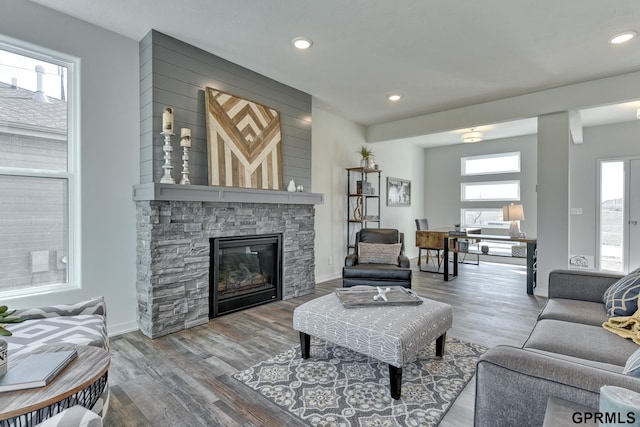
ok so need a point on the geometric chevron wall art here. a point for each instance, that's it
(244, 142)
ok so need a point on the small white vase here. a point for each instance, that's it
(292, 186)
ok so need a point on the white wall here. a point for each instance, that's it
(401, 159)
(442, 180)
(334, 144)
(110, 128)
(600, 142)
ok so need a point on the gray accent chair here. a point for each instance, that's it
(399, 274)
(568, 355)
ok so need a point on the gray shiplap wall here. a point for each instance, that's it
(174, 74)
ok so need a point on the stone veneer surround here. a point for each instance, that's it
(173, 255)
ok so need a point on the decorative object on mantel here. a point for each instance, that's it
(244, 142)
(185, 143)
(167, 132)
(368, 158)
(167, 120)
(292, 186)
(300, 188)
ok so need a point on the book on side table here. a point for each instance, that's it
(36, 370)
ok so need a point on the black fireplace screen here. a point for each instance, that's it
(245, 271)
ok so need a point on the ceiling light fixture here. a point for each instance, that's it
(394, 97)
(472, 136)
(622, 37)
(302, 43)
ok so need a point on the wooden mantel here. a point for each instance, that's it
(206, 193)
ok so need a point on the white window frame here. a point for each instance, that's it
(464, 160)
(463, 185)
(501, 224)
(71, 175)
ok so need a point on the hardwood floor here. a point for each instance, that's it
(184, 379)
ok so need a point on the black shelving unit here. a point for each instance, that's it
(362, 196)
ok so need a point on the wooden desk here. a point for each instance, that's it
(82, 383)
(442, 240)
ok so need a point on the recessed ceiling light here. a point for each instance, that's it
(394, 97)
(302, 42)
(622, 37)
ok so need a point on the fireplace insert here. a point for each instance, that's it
(245, 271)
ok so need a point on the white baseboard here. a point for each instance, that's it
(122, 328)
(327, 277)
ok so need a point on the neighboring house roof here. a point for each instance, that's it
(18, 108)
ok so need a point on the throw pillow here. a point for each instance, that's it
(632, 367)
(621, 298)
(378, 253)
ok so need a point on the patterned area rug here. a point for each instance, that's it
(339, 387)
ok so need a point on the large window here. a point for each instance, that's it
(490, 164)
(487, 217)
(483, 200)
(38, 183)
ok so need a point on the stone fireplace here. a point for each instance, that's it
(174, 246)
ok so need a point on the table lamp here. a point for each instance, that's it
(513, 213)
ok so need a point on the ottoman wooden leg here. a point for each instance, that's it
(305, 345)
(395, 381)
(440, 344)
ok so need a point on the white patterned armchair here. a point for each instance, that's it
(83, 323)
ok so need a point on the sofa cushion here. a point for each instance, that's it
(582, 341)
(378, 253)
(83, 329)
(632, 367)
(376, 271)
(621, 298)
(569, 310)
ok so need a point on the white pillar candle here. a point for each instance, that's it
(185, 137)
(167, 120)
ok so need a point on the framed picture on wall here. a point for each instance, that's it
(398, 192)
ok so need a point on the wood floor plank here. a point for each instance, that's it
(185, 379)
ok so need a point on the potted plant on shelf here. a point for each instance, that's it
(5, 317)
(368, 158)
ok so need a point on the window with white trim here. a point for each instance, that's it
(490, 164)
(485, 217)
(490, 190)
(483, 195)
(38, 172)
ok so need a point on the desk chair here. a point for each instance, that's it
(423, 224)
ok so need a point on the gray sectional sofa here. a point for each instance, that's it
(568, 355)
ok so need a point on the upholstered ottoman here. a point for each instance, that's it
(391, 334)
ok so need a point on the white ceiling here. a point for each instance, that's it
(439, 54)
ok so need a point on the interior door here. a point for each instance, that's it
(634, 214)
